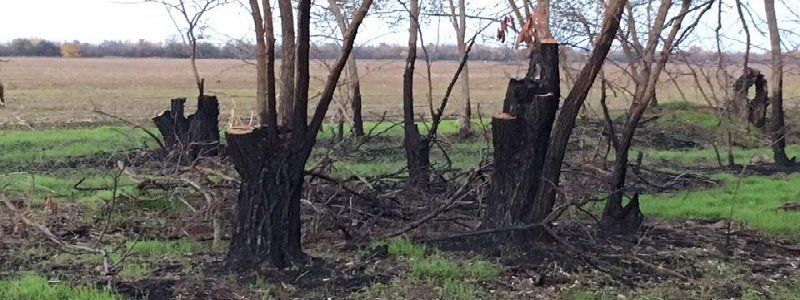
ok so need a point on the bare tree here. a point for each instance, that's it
(417, 148)
(190, 25)
(777, 131)
(271, 162)
(458, 17)
(336, 8)
(188, 137)
(626, 220)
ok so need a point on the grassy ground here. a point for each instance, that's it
(58, 164)
(753, 201)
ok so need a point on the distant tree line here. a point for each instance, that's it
(232, 49)
(236, 49)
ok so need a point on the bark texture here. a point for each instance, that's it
(521, 136)
(416, 146)
(268, 205)
(777, 123)
(193, 136)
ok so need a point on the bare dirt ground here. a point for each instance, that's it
(57, 92)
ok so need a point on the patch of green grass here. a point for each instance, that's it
(435, 271)
(755, 203)
(459, 290)
(403, 247)
(680, 113)
(38, 288)
(134, 270)
(707, 157)
(166, 248)
(20, 148)
(61, 185)
(435, 267)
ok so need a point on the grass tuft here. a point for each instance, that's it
(38, 288)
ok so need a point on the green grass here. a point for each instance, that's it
(707, 157)
(165, 248)
(434, 270)
(38, 288)
(684, 113)
(755, 204)
(19, 148)
(134, 270)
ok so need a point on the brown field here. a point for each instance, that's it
(45, 92)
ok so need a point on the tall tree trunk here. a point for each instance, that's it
(416, 146)
(352, 70)
(777, 123)
(616, 218)
(459, 21)
(565, 121)
(286, 100)
(268, 224)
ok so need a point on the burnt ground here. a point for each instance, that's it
(698, 259)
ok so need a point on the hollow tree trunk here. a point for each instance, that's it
(754, 110)
(196, 135)
(267, 227)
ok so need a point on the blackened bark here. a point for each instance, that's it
(204, 128)
(196, 135)
(416, 147)
(173, 125)
(565, 122)
(622, 220)
(267, 225)
(355, 105)
(520, 136)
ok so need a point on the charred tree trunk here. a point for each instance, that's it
(355, 105)
(521, 136)
(417, 147)
(196, 135)
(267, 225)
(173, 125)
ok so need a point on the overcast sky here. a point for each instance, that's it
(130, 20)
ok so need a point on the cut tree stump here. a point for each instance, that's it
(193, 136)
(267, 224)
(521, 136)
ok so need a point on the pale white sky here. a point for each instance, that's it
(98, 20)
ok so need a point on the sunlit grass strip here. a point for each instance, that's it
(38, 288)
(755, 204)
